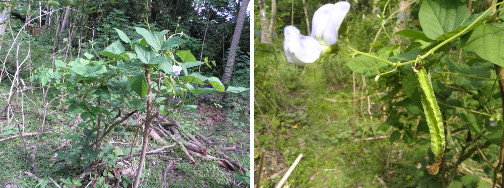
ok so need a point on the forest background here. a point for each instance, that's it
(90, 92)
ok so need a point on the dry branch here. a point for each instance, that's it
(352, 100)
(156, 151)
(222, 162)
(38, 179)
(371, 138)
(179, 141)
(15, 136)
(282, 181)
(203, 138)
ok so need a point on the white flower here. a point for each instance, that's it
(325, 24)
(176, 69)
(299, 48)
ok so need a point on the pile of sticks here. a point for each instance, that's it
(191, 146)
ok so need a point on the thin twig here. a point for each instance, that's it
(371, 138)
(282, 181)
(261, 164)
(15, 136)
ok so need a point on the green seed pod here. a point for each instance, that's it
(432, 113)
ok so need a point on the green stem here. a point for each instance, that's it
(473, 111)
(466, 75)
(357, 52)
(432, 50)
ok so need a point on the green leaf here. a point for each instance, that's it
(186, 56)
(76, 107)
(441, 16)
(413, 106)
(160, 59)
(154, 39)
(118, 151)
(193, 64)
(365, 65)
(471, 119)
(114, 50)
(395, 136)
(122, 35)
(463, 25)
(494, 137)
(138, 84)
(59, 63)
(192, 108)
(193, 79)
(94, 71)
(88, 56)
(409, 85)
(86, 115)
(407, 56)
(232, 89)
(412, 34)
(45, 75)
(166, 66)
(501, 15)
(488, 42)
(172, 43)
(103, 92)
(144, 54)
(470, 180)
(216, 84)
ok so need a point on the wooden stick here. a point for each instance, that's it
(203, 138)
(236, 163)
(38, 179)
(166, 133)
(371, 138)
(261, 164)
(356, 99)
(282, 181)
(156, 151)
(15, 136)
(55, 183)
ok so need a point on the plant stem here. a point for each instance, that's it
(146, 129)
(432, 50)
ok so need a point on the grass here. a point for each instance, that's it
(232, 130)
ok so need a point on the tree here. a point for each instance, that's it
(228, 71)
(265, 34)
(3, 22)
(65, 19)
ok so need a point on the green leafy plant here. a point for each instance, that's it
(105, 92)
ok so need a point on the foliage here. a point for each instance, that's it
(100, 89)
(459, 52)
(465, 89)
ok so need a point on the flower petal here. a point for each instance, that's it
(176, 69)
(327, 20)
(300, 49)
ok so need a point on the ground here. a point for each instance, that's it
(223, 125)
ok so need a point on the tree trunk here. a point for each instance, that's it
(272, 19)
(265, 33)
(307, 18)
(228, 71)
(65, 19)
(4, 17)
(402, 18)
(48, 17)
